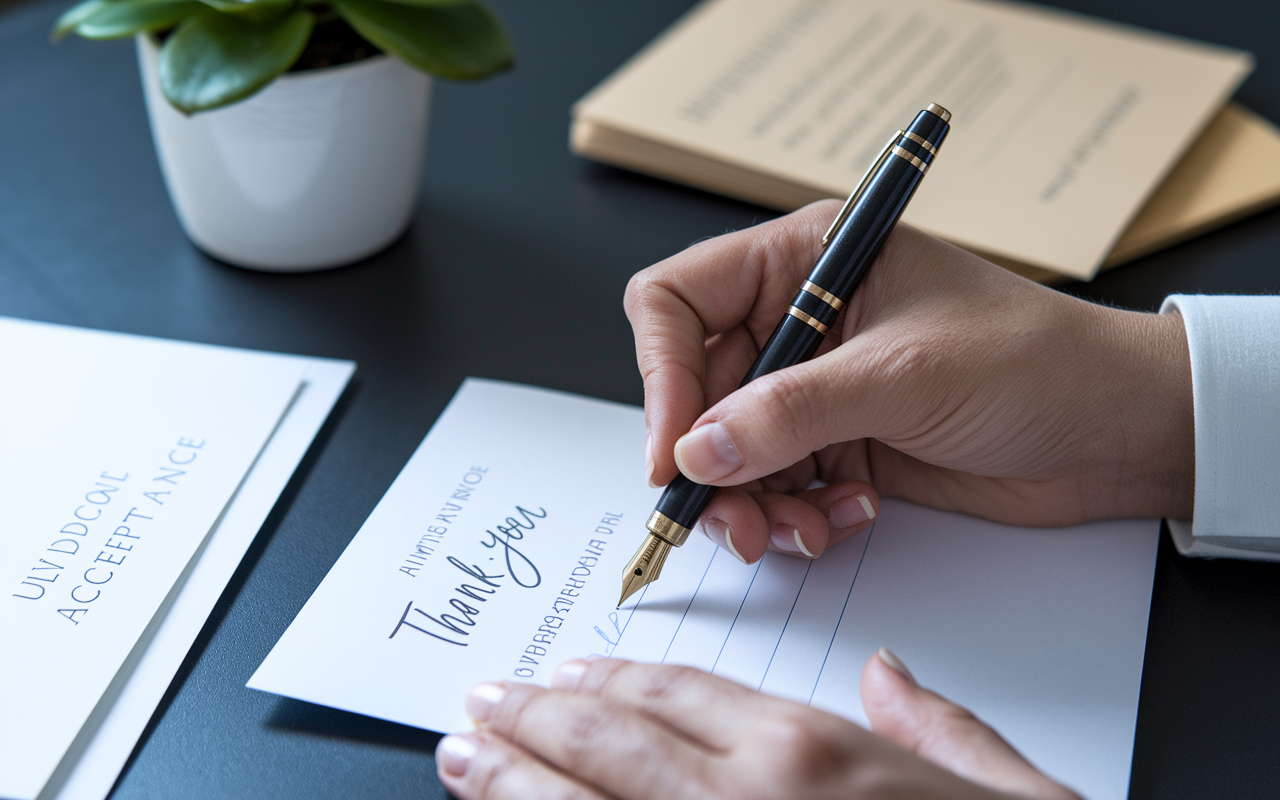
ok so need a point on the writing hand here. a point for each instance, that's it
(615, 729)
(947, 381)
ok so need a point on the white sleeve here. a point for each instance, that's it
(1235, 378)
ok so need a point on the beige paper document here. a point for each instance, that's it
(1232, 171)
(1063, 126)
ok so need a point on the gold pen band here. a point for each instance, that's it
(920, 140)
(667, 529)
(823, 295)
(805, 318)
(920, 165)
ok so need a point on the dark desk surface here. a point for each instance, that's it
(87, 237)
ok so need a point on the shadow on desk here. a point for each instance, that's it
(296, 716)
(1213, 626)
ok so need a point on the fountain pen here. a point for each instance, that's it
(850, 245)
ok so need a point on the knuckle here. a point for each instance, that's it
(709, 784)
(804, 750)
(600, 674)
(515, 711)
(957, 721)
(492, 775)
(906, 358)
(580, 739)
(792, 739)
(950, 725)
(910, 361)
(665, 683)
(643, 291)
(653, 683)
(790, 402)
(959, 715)
(503, 776)
(918, 390)
(637, 287)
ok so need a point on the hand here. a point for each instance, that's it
(946, 380)
(614, 729)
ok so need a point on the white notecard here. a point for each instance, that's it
(498, 552)
(118, 455)
(102, 748)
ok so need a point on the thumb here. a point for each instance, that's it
(774, 422)
(934, 728)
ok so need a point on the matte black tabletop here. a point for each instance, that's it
(88, 237)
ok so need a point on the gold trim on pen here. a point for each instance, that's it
(943, 114)
(667, 529)
(805, 318)
(898, 151)
(823, 295)
(920, 140)
(830, 235)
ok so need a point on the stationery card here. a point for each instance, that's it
(498, 553)
(118, 455)
(94, 761)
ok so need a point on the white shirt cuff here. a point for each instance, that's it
(1235, 377)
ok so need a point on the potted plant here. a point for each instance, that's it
(291, 132)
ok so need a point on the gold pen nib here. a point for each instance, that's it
(645, 566)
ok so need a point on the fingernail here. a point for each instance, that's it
(454, 753)
(568, 674)
(718, 532)
(895, 663)
(787, 539)
(707, 453)
(483, 699)
(648, 461)
(851, 511)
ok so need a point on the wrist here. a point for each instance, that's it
(1149, 440)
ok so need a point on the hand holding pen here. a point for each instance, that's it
(948, 382)
(850, 245)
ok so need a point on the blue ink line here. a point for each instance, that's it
(627, 624)
(686, 608)
(832, 643)
(784, 626)
(634, 607)
(759, 564)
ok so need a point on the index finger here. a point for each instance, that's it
(712, 711)
(742, 278)
(600, 743)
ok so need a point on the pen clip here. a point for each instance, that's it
(862, 185)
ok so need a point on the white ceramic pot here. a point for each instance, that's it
(319, 169)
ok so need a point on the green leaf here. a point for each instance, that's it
(215, 59)
(433, 2)
(460, 41)
(112, 19)
(74, 16)
(258, 8)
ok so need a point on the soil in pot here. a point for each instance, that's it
(333, 42)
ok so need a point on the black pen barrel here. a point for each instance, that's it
(871, 219)
(868, 222)
(683, 501)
